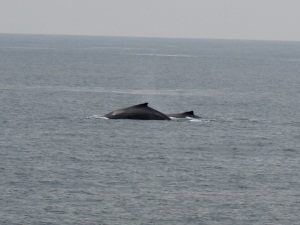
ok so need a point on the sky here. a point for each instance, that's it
(213, 19)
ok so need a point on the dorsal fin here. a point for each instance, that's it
(141, 105)
(189, 113)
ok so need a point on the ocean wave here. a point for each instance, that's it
(164, 92)
(163, 55)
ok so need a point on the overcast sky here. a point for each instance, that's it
(217, 19)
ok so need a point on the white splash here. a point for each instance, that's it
(97, 117)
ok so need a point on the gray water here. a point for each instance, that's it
(62, 163)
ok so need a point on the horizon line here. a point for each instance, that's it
(150, 37)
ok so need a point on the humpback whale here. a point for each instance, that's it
(137, 112)
(184, 115)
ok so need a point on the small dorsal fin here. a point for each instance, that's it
(141, 105)
(189, 113)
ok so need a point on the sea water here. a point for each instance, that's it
(62, 163)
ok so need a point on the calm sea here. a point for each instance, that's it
(62, 163)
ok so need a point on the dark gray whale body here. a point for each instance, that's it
(189, 114)
(137, 112)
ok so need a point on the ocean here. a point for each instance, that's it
(61, 162)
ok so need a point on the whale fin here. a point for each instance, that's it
(184, 115)
(191, 113)
(141, 105)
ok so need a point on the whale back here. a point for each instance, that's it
(184, 115)
(137, 112)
